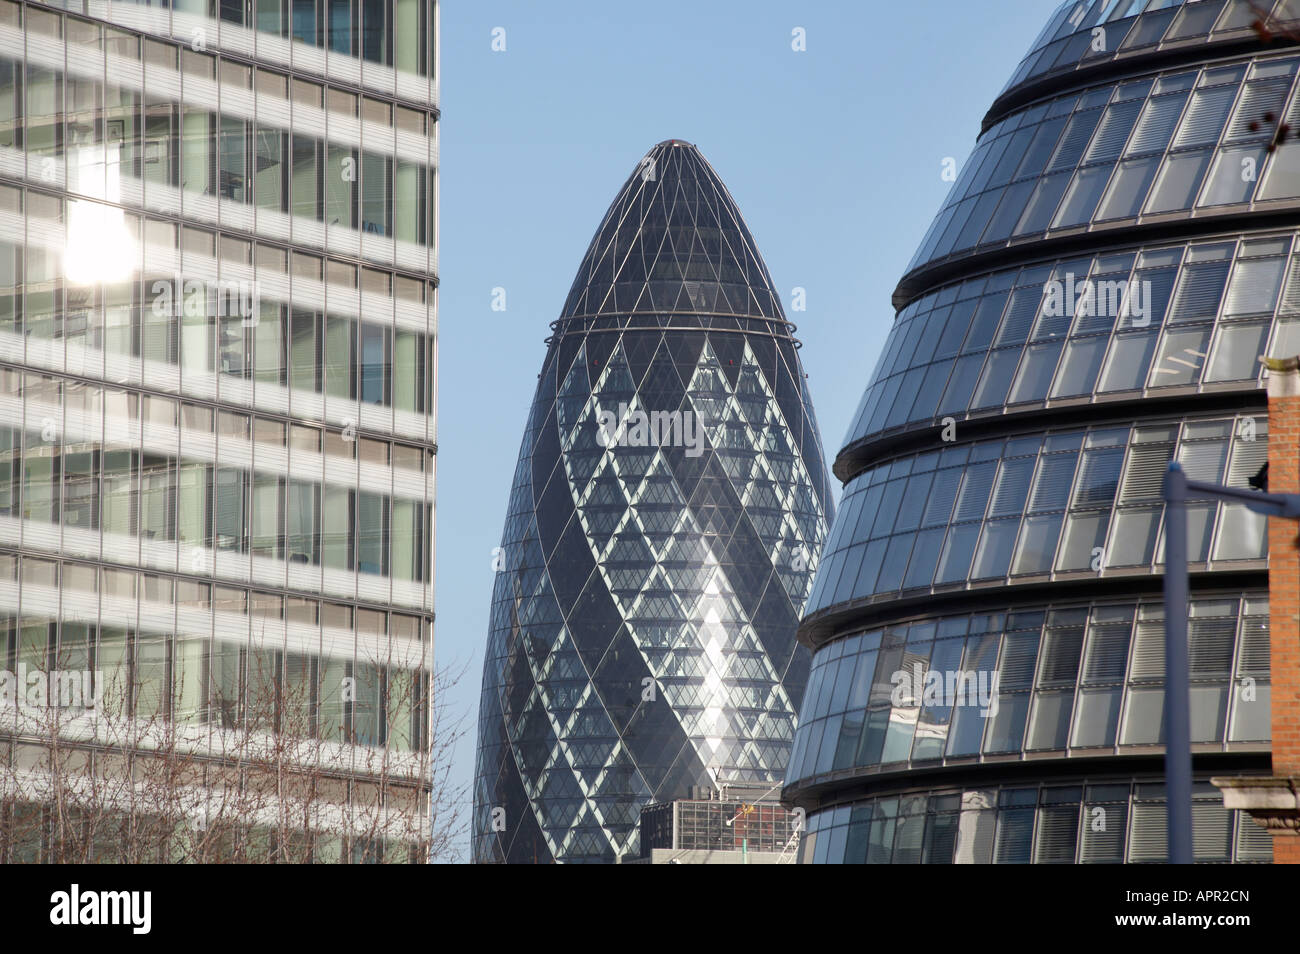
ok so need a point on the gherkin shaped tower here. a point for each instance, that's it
(667, 513)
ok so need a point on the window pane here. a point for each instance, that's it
(1130, 357)
(376, 186)
(1242, 535)
(196, 151)
(408, 371)
(1036, 372)
(1134, 540)
(269, 176)
(268, 353)
(340, 191)
(306, 177)
(1037, 547)
(999, 368)
(337, 534)
(409, 194)
(1049, 722)
(408, 37)
(304, 21)
(304, 351)
(1178, 182)
(374, 44)
(995, 548)
(301, 533)
(1128, 189)
(373, 367)
(1096, 717)
(340, 26)
(1043, 204)
(229, 520)
(1081, 199)
(192, 504)
(266, 516)
(1282, 179)
(1079, 367)
(1234, 175)
(1182, 355)
(407, 540)
(1236, 353)
(339, 349)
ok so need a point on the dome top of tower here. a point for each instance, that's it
(673, 242)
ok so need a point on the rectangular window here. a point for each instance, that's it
(271, 16)
(407, 540)
(192, 504)
(373, 366)
(268, 492)
(80, 488)
(269, 169)
(160, 167)
(374, 26)
(372, 533)
(196, 154)
(233, 174)
(156, 498)
(306, 189)
(43, 121)
(409, 212)
(44, 281)
(340, 361)
(118, 491)
(408, 371)
(304, 21)
(229, 509)
(302, 536)
(119, 315)
(341, 31)
(11, 285)
(10, 103)
(340, 187)
(376, 193)
(305, 351)
(339, 520)
(85, 137)
(268, 344)
(409, 36)
(196, 330)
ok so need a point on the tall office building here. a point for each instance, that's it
(218, 266)
(669, 506)
(1089, 305)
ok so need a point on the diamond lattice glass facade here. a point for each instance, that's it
(651, 577)
(1088, 305)
(218, 328)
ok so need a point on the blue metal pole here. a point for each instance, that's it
(1178, 743)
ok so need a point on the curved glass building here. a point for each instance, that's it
(1089, 305)
(668, 510)
(218, 266)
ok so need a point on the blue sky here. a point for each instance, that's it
(834, 155)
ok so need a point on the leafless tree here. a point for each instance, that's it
(287, 767)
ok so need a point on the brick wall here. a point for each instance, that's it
(1284, 590)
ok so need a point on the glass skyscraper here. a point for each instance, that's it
(218, 330)
(668, 510)
(1089, 305)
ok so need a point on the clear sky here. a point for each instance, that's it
(834, 155)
